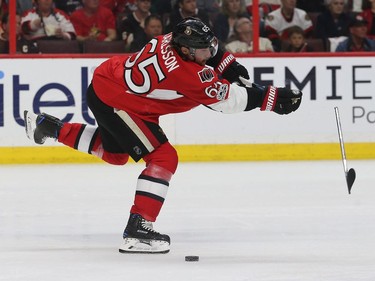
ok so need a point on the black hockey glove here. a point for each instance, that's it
(281, 100)
(234, 71)
(225, 64)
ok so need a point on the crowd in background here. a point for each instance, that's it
(284, 26)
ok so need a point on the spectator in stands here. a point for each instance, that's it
(184, 9)
(231, 11)
(243, 43)
(163, 8)
(23, 45)
(355, 6)
(278, 21)
(46, 22)
(333, 22)
(24, 5)
(2, 12)
(68, 6)
(357, 41)
(132, 27)
(153, 28)
(4, 32)
(270, 2)
(116, 6)
(93, 22)
(3, 7)
(309, 6)
(211, 7)
(297, 41)
(109, 4)
(368, 13)
(265, 7)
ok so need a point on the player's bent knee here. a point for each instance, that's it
(172, 158)
(164, 156)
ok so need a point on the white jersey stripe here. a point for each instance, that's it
(155, 188)
(162, 94)
(134, 127)
(85, 139)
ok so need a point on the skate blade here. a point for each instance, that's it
(136, 246)
(30, 124)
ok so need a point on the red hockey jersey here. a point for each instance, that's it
(157, 81)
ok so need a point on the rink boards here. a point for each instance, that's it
(57, 86)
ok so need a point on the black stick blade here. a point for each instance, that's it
(350, 178)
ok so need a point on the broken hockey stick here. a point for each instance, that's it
(349, 174)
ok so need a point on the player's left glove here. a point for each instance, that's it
(230, 69)
(225, 64)
(281, 100)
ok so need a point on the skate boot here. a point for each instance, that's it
(39, 127)
(139, 237)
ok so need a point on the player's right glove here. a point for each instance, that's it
(281, 100)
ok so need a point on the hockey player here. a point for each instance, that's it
(127, 96)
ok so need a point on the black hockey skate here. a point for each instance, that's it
(139, 237)
(39, 127)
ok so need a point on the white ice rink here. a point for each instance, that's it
(247, 221)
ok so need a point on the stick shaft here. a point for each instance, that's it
(341, 139)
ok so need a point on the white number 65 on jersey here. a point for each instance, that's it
(142, 67)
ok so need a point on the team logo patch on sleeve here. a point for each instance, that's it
(217, 91)
(222, 93)
(206, 75)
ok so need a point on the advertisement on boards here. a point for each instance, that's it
(57, 86)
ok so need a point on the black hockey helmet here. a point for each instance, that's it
(194, 34)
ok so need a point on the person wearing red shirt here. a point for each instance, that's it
(116, 6)
(172, 73)
(94, 22)
(368, 14)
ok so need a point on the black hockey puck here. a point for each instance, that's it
(191, 258)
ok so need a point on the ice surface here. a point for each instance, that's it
(247, 221)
